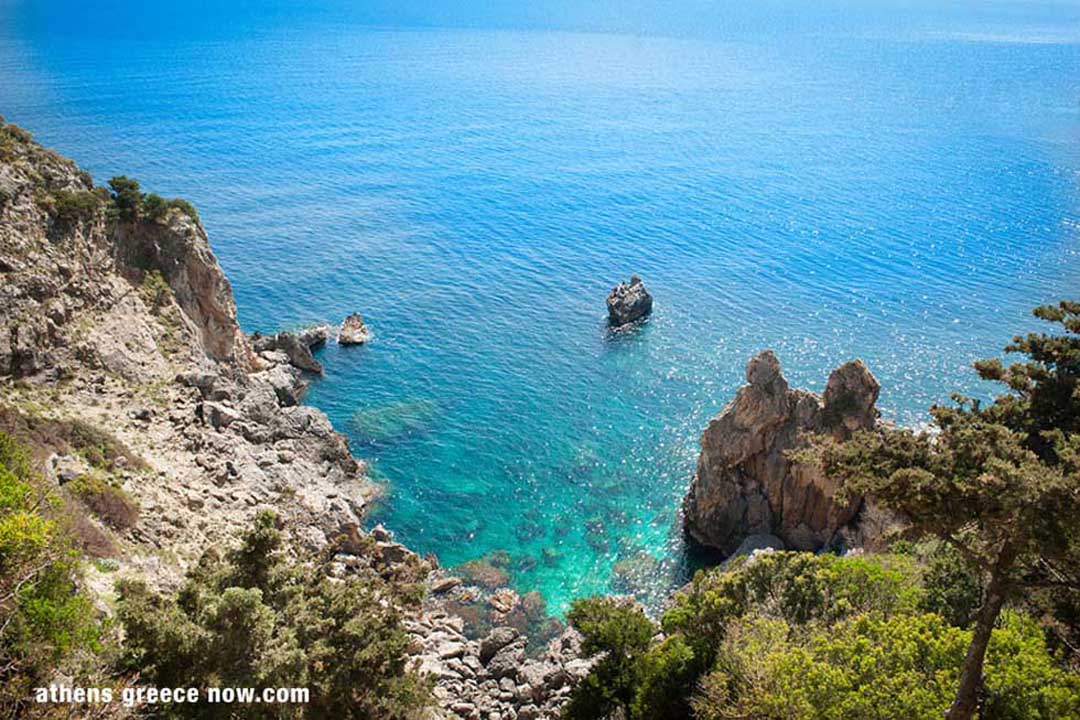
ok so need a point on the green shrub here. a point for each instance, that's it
(185, 207)
(155, 290)
(155, 207)
(622, 633)
(131, 205)
(796, 587)
(257, 618)
(44, 617)
(899, 666)
(73, 207)
(127, 200)
(111, 504)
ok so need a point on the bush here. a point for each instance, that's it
(127, 200)
(796, 636)
(155, 207)
(155, 290)
(622, 633)
(256, 618)
(795, 587)
(900, 666)
(131, 205)
(75, 207)
(44, 617)
(111, 504)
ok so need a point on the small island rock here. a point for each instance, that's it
(353, 331)
(628, 302)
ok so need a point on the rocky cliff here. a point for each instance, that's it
(126, 325)
(746, 485)
(130, 325)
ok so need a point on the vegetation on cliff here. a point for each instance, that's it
(256, 617)
(47, 622)
(972, 611)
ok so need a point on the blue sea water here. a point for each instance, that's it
(899, 183)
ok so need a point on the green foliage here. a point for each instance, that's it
(953, 589)
(666, 674)
(127, 200)
(131, 205)
(900, 666)
(154, 207)
(622, 633)
(44, 618)
(1000, 483)
(1023, 680)
(257, 618)
(11, 138)
(111, 504)
(73, 207)
(795, 587)
(185, 207)
(155, 290)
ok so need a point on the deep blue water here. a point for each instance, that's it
(847, 181)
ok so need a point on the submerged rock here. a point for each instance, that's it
(394, 421)
(745, 484)
(628, 302)
(353, 331)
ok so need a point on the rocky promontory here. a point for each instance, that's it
(745, 483)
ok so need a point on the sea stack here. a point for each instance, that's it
(628, 302)
(746, 485)
(353, 331)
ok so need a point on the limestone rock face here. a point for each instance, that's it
(180, 250)
(628, 302)
(744, 484)
(353, 331)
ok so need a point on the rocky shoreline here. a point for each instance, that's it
(129, 325)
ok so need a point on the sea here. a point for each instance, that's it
(885, 180)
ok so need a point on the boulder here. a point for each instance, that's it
(495, 641)
(746, 485)
(216, 415)
(353, 331)
(296, 350)
(314, 336)
(507, 661)
(628, 302)
(66, 468)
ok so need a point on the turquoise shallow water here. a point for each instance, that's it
(897, 188)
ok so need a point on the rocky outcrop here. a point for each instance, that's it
(315, 336)
(746, 485)
(494, 677)
(628, 302)
(353, 331)
(296, 348)
(179, 249)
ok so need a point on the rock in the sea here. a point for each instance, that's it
(628, 302)
(296, 349)
(353, 331)
(314, 336)
(745, 485)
